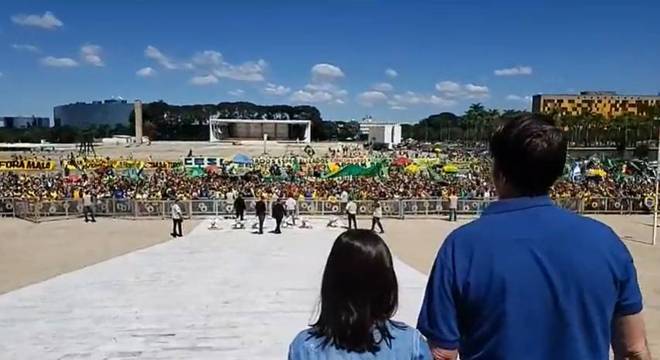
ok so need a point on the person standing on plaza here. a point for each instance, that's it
(260, 208)
(177, 219)
(88, 206)
(239, 207)
(375, 220)
(291, 205)
(529, 280)
(453, 206)
(278, 215)
(351, 211)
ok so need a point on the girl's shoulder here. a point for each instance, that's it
(304, 344)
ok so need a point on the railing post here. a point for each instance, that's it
(401, 209)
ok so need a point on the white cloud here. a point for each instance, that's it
(322, 88)
(212, 62)
(370, 98)
(59, 62)
(476, 91)
(398, 107)
(514, 71)
(237, 92)
(146, 72)
(276, 90)
(454, 90)
(26, 47)
(412, 98)
(247, 71)
(448, 87)
(215, 63)
(519, 98)
(153, 53)
(391, 73)
(207, 57)
(204, 80)
(326, 72)
(385, 87)
(46, 21)
(91, 54)
(304, 96)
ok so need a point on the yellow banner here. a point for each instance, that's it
(16, 165)
(94, 163)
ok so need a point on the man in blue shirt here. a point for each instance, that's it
(529, 280)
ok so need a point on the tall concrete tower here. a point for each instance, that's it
(138, 121)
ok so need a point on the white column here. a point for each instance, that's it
(308, 132)
(137, 107)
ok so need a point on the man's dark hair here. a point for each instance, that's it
(359, 294)
(530, 153)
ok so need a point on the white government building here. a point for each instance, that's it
(387, 133)
(257, 129)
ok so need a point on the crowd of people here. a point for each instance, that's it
(306, 177)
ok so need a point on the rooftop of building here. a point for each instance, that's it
(603, 93)
(98, 102)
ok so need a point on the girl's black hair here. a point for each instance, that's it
(359, 294)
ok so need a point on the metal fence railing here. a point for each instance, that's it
(40, 210)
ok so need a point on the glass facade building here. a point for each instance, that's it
(83, 115)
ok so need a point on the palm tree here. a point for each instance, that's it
(474, 119)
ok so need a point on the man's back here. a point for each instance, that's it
(351, 208)
(529, 280)
(260, 207)
(278, 210)
(176, 211)
(290, 204)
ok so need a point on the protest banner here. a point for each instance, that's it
(202, 161)
(26, 165)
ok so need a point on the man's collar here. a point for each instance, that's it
(515, 204)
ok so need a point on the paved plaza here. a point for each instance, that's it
(122, 289)
(224, 294)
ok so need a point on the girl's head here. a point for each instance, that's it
(359, 293)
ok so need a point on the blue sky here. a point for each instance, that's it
(443, 54)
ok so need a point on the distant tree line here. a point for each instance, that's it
(162, 121)
(478, 123)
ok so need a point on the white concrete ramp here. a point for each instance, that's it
(226, 294)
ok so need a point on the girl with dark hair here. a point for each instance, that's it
(359, 296)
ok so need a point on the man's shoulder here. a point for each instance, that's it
(557, 219)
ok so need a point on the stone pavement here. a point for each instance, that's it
(225, 294)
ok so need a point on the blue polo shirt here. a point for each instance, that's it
(529, 280)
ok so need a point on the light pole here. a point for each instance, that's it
(657, 187)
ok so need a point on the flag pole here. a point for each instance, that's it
(657, 187)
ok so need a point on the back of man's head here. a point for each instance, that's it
(529, 154)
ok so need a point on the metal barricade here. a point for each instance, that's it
(148, 208)
(7, 207)
(365, 207)
(36, 210)
(573, 204)
(427, 206)
(204, 207)
(391, 208)
(310, 207)
(123, 207)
